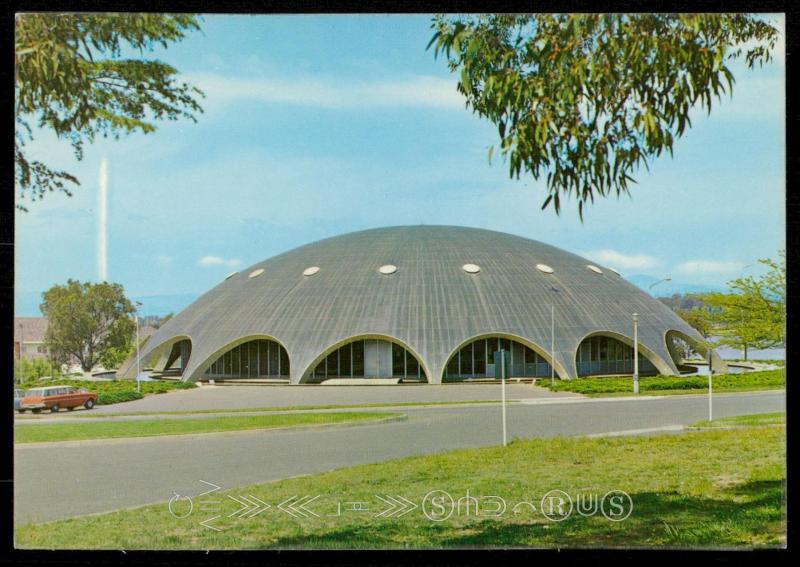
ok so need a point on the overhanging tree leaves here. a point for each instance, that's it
(88, 322)
(70, 77)
(589, 98)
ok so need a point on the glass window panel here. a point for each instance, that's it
(491, 348)
(284, 361)
(504, 344)
(273, 356)
(333, 363)
(466, 360)
(254, 348)
(412, 366)
(398, 360)
(235, 361)
(263, 363)
(479, 353)
(452, 366)
(344, 360)
(603, 349)
(518, 358)
(358, 358)
(319, 371)
(530, 356)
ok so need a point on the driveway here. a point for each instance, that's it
(239, 397)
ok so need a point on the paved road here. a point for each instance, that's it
(68, 479)
(238, 397)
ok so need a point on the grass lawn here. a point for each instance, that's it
(747, 381)
(710, 488)
(291, 408)
(35, 433)
(777, 418)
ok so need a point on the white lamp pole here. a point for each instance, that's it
(138, 370)
(552, 345)
(710, 372)
(503, 390)
(635, 353)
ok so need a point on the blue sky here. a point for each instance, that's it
(320, 125)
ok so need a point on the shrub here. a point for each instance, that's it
(615, 384)
(108, 398)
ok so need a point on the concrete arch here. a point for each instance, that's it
(717, 364)
(559, 368)
(200, 369)
(661, 365)
(378, 336)
(128, 369)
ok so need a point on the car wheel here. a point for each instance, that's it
(89, 404)
(21, 410)
(37, 411)
(54, 409)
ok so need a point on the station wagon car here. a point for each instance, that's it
(54, 398)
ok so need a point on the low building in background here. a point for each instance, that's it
(29, 338)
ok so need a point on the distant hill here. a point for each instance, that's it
(666, 289)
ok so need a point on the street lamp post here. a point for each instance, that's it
(503, 390)
(138, 366)
(710, 372)
(652, 285)
(552, 345)
(635, 353)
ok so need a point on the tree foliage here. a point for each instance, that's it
(753, 314)
(70, 77)
(589, 98)
(699, 318)
(88, 322)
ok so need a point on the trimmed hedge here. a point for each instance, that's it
(116, 391)
(615, 384)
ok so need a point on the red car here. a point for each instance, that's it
(55, 398)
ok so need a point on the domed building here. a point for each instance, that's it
(419, 304)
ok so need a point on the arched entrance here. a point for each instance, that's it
(255, 358)
(476, 359)
(603, 354)
(367, 357)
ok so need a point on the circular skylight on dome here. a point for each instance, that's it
(595, 269)
(471, 268)
(311, 271)
(615, 271)
(387, 269)
(544, 268)
(256, 273)
(229, 276)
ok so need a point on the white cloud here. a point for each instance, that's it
(618, 260)
(412, 91)
(703, 267)
(210, 261)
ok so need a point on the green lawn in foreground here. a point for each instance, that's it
(34, 433)
(747, 381)
(777, 418)
(713, 488)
